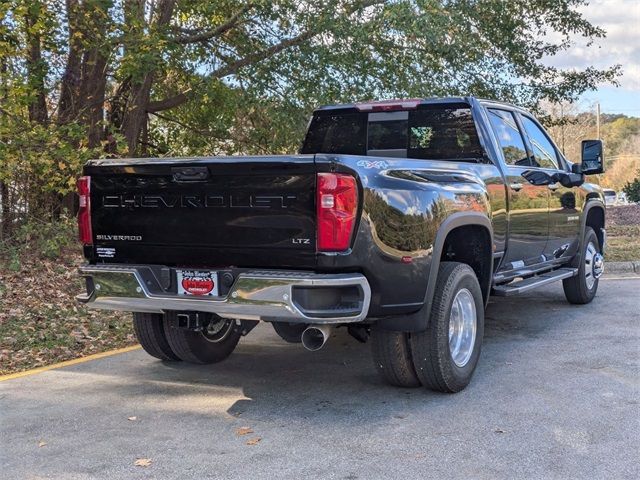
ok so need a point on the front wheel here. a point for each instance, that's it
(583, 287)
(215, 342)
(445, 355)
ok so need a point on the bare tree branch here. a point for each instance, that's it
(263, 54)
(170, 102)
(256, 57)
(219, 30)
(229, 69)
(184, 125)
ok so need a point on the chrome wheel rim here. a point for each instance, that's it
(215, 332)
(462, 327)
(593, 265)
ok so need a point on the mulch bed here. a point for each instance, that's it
(623, 215)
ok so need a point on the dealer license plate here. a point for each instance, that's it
(197, 282)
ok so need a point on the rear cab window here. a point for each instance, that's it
(432, 131)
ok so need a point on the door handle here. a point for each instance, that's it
(515, 186)
(554, 186)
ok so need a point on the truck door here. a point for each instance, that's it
(528, 203)
(564, 202)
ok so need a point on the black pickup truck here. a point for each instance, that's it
(397, 220)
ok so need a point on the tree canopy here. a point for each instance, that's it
(82, 78)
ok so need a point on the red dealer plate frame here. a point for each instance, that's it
(197, 283)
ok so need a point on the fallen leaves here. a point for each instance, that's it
(43, 324)
(41, 443)
(142, 462)
(246, 431)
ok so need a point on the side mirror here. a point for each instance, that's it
(592, 157)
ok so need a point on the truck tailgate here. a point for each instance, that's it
(218, 211)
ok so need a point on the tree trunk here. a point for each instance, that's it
(6, 220)
(36, 66)
(82, 93)
(135, 117)
(71, 79)
(92, 94)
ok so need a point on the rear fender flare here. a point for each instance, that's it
(456, 220)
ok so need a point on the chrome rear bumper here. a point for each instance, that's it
(270, 295)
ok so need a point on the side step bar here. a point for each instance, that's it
(515, 288)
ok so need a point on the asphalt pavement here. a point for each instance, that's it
(556, 396)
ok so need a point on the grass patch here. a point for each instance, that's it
(623, 243)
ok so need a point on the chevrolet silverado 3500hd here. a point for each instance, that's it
(397, 220)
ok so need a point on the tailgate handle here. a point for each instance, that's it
(190, 174)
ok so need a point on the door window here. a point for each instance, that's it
(544, 153)
(511, 142)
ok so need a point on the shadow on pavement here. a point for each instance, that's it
(267, 378)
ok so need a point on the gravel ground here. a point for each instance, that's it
(556, 396)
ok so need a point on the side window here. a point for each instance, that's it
(445, 132)
(506, 129)
(337, 133)
(544, 153)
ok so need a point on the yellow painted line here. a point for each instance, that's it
(67, 363)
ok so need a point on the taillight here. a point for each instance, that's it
(337, 206)
(84, 210)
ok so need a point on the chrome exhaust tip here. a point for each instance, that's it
(314, 337)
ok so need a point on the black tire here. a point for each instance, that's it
(432, 357)
(576, 289)
(392, 358)
(149, 329)
(199, 347)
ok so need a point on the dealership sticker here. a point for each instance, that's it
(106, 252)
(195, 282)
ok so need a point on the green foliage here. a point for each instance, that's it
(385, 49)
(632, 189)
(80, 79)
(39, 240)
(50, 154)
